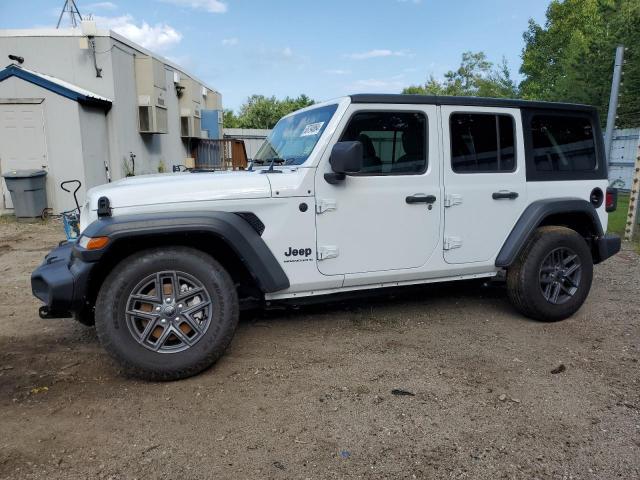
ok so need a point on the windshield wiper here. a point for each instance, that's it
(272, 161)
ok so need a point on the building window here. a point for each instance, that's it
(394, 142)
(563, 143)
(482, 143)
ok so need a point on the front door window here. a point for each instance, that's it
(394, 143)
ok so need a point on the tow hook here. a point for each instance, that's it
(44, 312)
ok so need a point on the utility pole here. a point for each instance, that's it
(613, 100)
(71, 8)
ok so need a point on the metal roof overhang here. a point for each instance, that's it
(57, 86)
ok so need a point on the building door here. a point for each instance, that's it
(22, 141)
(387, 216)
(484, 180)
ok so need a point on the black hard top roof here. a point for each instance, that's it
(464, 101)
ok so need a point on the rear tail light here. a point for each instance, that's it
(612, 199)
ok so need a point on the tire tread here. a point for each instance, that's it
(106, 306)
(520, 286)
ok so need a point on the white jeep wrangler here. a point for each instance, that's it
(360, 193)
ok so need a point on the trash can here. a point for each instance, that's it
(28, 192)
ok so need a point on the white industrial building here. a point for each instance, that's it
(88, 104)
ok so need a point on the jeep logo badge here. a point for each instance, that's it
(296, 255)
(298, 252)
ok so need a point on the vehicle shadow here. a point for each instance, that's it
(426, 295)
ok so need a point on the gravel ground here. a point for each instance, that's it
(308, 393)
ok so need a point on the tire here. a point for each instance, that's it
(158, 340)
(544, 268)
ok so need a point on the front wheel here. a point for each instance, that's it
(166, 313)
(552, 276)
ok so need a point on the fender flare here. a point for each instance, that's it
(230, 227)
(534, 215)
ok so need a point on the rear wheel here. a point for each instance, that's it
(552, 276)
(167, 313)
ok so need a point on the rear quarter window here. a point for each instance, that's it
(563, 146)
(562, 143)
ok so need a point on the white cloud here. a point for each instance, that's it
(410, 1)
(100, 6)
(211, 6)
(154, 37)
(377, 53)
(230, 42)
(337, 71)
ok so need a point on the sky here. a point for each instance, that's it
(323, 49)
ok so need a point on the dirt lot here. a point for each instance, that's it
(307, 393)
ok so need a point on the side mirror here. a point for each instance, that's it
(346, 157)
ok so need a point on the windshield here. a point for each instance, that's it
(293, 138)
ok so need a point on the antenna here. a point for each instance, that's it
(70, 8)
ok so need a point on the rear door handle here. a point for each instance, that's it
(420, 198)
(503, 194)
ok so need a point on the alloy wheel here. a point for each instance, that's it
(560, 274)
(168, 312)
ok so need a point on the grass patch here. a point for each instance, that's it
(618, 220)
(7, 218)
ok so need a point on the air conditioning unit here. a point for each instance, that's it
(151, 86)
(190, 108)
(152, 118)
(190, 123)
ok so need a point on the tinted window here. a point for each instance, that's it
(563, 143)
(482, 143)
(394, 142)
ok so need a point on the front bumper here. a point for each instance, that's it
(608, 245)
(61, 282)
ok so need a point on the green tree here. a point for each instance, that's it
(259, 111)
(571, 57)
(476, 76)
(229, 120)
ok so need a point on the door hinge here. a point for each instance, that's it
(327, 251)
(325, 204)
(452, 242)
(452, 199)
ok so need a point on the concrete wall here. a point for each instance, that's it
(151, 150)
(62, 57)
(62, 135)
(95, 145)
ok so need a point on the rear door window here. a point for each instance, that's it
(482, 143)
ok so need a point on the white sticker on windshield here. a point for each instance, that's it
(312, 129)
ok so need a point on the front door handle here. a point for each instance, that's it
(503, 194)
(420, 198)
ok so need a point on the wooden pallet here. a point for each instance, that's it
(632, 221)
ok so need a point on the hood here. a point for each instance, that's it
(170, 188)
